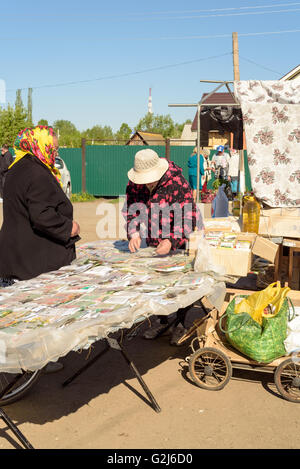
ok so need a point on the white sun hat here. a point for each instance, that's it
(148, 167)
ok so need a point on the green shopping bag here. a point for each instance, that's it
(262, 343)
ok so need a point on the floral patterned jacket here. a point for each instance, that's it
(169, 212)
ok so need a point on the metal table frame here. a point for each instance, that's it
(110, 343)
(8, 420)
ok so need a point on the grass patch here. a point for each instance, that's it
(82, 197)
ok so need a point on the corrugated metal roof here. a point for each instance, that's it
(148, 137)
(218, 98)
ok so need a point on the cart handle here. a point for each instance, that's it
(244, 316)
(292, 316)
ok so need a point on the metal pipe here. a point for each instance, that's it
(221, 104)
(212, 92)
(182, 105)
(218, 81)
(198, 152)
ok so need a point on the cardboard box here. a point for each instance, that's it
(282, 212)
(205, 209)
(238, 262)
(223, 224)
(277, 225)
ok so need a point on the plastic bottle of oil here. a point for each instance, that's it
(251, 214)
(236, 205)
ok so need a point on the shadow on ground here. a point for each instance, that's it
(48, 400)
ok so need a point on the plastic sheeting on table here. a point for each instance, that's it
(104, 290)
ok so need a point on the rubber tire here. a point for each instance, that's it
(24, 388)
(196, 355)
(278, 384)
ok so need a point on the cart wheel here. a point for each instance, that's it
(287, 379)
(17, 385)
(210, 368)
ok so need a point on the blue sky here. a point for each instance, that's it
(118, 50)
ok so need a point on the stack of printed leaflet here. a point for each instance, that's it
(105, 289)
(218, 239)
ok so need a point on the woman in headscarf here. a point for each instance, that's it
(38, 233)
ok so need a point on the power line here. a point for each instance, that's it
(70, 15)
(213, 13)
(272, 5)
(222, 15)
(162, 38)
(110, 77)
(259, 65)
(217, 36)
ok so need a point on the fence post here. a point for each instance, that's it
(83, 165)
(168, 149)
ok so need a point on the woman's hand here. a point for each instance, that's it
(135, 243)
(164, 247)
(75, 229)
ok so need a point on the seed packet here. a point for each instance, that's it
(243, 245)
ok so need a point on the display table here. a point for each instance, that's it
(106, 289)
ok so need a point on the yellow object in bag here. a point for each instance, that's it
(264, 303)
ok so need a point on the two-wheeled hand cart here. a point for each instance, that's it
(213, 359)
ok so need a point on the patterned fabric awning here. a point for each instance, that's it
(271, 116)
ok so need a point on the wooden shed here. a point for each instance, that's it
(146, 138)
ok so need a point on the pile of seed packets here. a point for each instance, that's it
(219, 239)
(105, 289)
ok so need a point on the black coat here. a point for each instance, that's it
(5, 161)
(37, 222)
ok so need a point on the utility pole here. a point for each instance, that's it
(235, 52)
(236, 77)
(198, 106)
(18, 102)
(29, 106)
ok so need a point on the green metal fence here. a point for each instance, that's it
(72, 158)
(107, 166)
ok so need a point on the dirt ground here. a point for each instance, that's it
(106, 407)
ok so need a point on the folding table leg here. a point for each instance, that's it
(86, 366)
(114, 344)
(15, 430)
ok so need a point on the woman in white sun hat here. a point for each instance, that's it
(159, 208)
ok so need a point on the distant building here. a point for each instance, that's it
(187, 138)
(292, 75)
(146, 138)
(214, 137)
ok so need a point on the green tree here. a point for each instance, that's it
(69, 136)
(43, 122)
(99, 135)
(158, 124)
(123, 134)
(12, 120)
